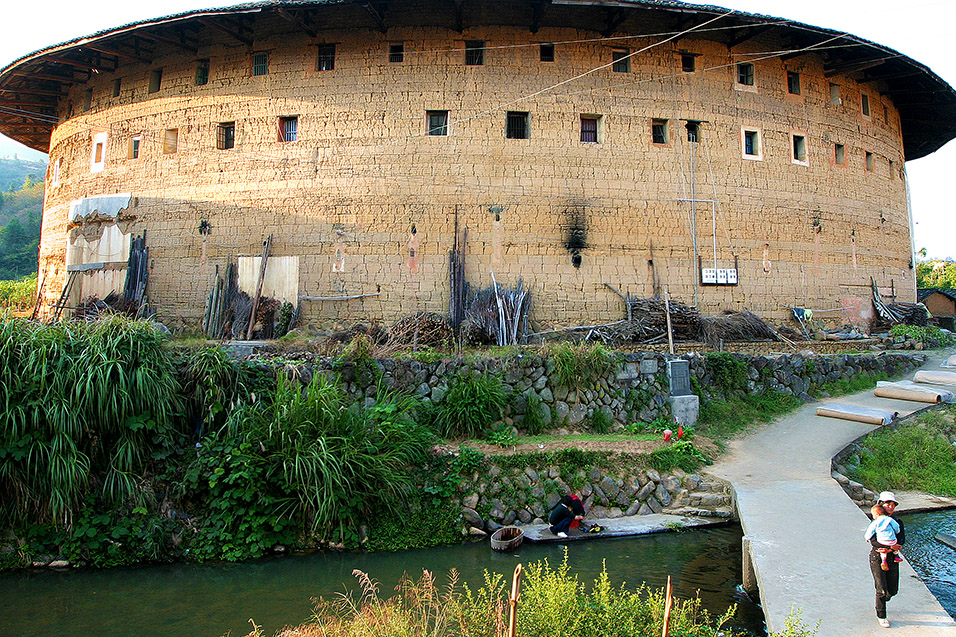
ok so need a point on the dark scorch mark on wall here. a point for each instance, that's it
(575, 234)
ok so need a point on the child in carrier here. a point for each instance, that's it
(885, 528)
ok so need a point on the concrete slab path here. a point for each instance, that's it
(806, 535)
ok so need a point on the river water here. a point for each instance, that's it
(213, 599)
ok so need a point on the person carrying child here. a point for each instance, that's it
(885, 529)
(886, 573)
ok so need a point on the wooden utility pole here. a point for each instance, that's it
(667, 311)
(266, 251)
(513, 602)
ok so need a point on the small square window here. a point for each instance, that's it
(835, 94)
(289, 128)
(260, 63)
(155, 80)
(590, 129)
(793, 83)
(170, 141)
(621, 61)
(226, 135)
(517, 125)
(865, 104)
(688, 63)
(474, 52)
(326, 58)
(132, 149)
(870, 161)
(117, 85)
(202, 72)
(751, 141)
(436, 123)
(839, 154)
(745, 73)
(396, 52)
(547, 52)
(693, 131)
(87, 99)
(659, 131)
(799, 149)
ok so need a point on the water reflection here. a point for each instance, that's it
(933, 561)
(186, 599)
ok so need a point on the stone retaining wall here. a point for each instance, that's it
(636, 391)
(503, 497)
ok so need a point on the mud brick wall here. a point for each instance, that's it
(368, 202)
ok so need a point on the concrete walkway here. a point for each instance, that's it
(806, 535)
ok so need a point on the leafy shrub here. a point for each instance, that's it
(601, 422)
(83, 408)
(473, 402)
(583, 365)
(357, 357)
(729, 372)
(533, 421)
(921, 334)
(502, 435)
(681, 454)
(19, 294)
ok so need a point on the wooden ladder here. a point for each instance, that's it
(61, 303)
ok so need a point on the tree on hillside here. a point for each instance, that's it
(19, 250)
(936, 274)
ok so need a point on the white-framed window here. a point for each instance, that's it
(798, 149)
(98, 153)
(751, 146)
(865, 105)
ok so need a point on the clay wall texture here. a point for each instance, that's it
(363, 185)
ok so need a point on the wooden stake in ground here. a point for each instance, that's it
(266, 250)
(668, 600)
(513, 602)
(667, 311)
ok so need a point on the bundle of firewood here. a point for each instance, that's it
(421, 328)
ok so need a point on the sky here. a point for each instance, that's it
(920, 29)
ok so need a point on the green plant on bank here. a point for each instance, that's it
(582, 365)
(655, 426)
(922, 334)
(423, 354)
(682, 454)
(310, 460)
(722, 419)
(357, 356)
(600, 422)
(553, 602)
(533, 420)
(859, 382)
(214, 382)
(918, 455)
(473, 402)
(19, 294)
(85, 407)
(502, 435)
(729, 372)
(793, 625)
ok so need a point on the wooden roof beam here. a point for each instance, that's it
(86, 66)
(29, 103)
(888, 76)
(286, 15)
(27, 126)
(853, 67)
(51, 78)
(181, 43)
(26, 90)
(116, 52)
(231, 32)
(377, 15)
(612, 20)
(749, 33)
(537, 12)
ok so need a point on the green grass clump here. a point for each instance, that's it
(723, 419)
(581, 366)
(553, 602)
(533, 421)
(858, 383)
(472, 404)
(729, 372)
(682, 455)
(601, 422)
(915, 456)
